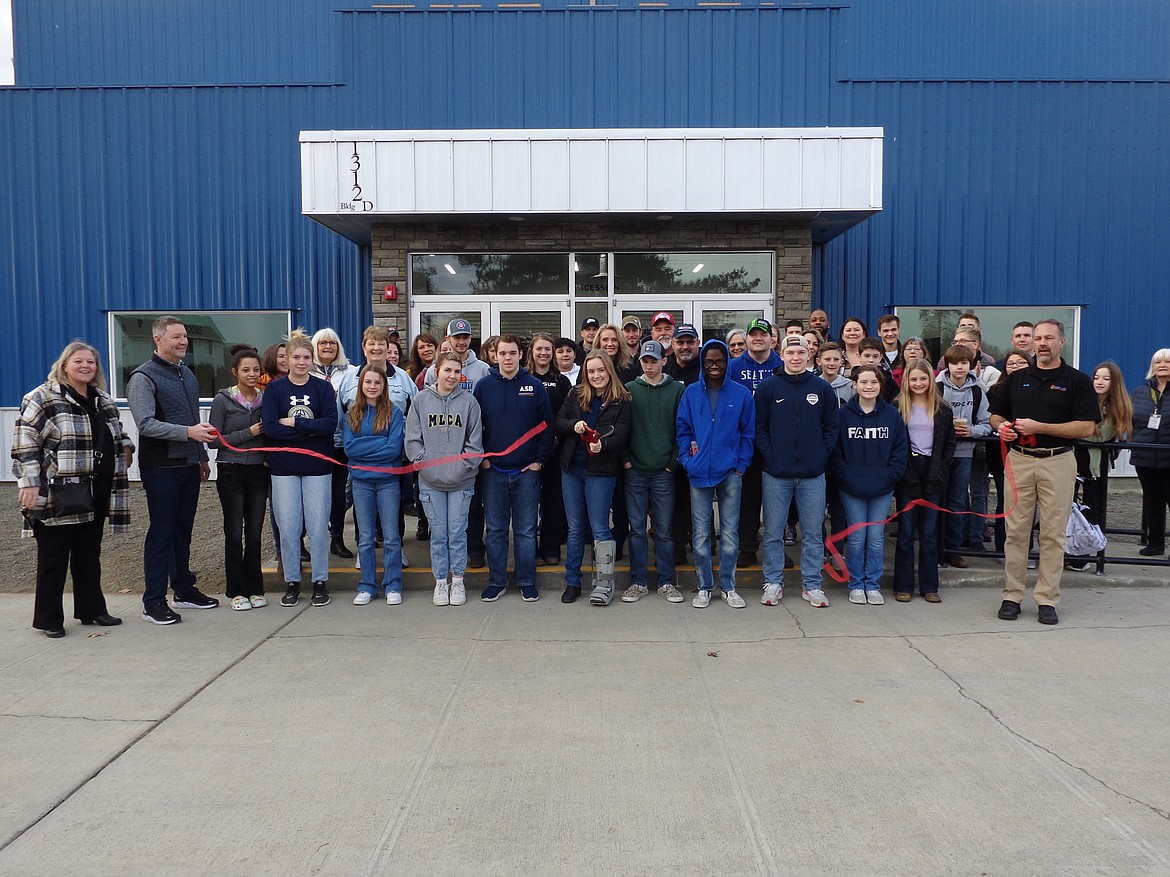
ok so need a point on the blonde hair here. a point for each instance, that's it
(906, 398)
(624, 355)
(299, 342)
(57, 372)
(615, 392)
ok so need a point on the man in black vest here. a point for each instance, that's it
(164, 400)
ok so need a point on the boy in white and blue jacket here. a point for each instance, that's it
(962, 391)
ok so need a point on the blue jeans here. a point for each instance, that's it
(958, 500)
(447, 512)
(510, 500)
(172, 495)
(920, 523)
(587, 503)
(810, 506)
(657, 492)
(376, 501)
(727, 493)
(301, 504)
(863, 549)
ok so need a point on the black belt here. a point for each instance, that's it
(1044, 452)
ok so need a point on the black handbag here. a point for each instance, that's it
(71, 496)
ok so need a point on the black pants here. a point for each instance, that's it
(681, 523)
(76, 548)
(243, 494)
(337, 503)
(475, 545)
(751, 500)
(1155, 497)
(553, 528)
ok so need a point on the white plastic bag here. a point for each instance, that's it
(1080, 537)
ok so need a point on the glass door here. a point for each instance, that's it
(644, 308)
(714, 318)
(526, 318)
(431, 315)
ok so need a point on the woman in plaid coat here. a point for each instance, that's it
(69, 428)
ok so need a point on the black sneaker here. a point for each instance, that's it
(195, 599)
(475, 561)
(320, 594)
(160, 613)
(292, 595)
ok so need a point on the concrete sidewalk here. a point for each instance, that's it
(542, 738)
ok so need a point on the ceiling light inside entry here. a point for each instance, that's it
(450, 270)
(697, 268)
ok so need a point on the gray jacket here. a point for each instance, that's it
(234, 422)
(962, 402)
(444, 426)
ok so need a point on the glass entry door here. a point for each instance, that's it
(714, 318)
(530, 316)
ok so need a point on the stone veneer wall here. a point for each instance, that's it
(392, 244)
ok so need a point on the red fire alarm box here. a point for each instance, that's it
(391, 293)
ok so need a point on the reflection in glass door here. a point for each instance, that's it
(527, 318)
(715, 319)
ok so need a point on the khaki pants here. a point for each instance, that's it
(1045, 484)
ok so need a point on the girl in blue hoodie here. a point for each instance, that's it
(869, 460)
(372, 436)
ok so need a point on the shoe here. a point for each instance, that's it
(903, 596)
(816, 598)
(548, 561)
(442, 594)
(789, 535)
(856, 595)
(746, 558)
(292, 595)
(957, 561)
(529, 593)
(410, 509)
(733, 599)
(337, 548)
(55, 632)
(680, 557)
(932, 597)
(320, 594)
(241, 603)
(1151, 551)
(570, 594)
(702, 599)
(475, 561)
(1009, 610)
(671, 593)
(978, 546)
(258, 601)
(492, 593)
(789, 563)
(405, 562)
(357, 563)
(602, 595)
(1075, 565)
(634, 593)
(1032, 563)
(362, 598)
(103, 620)
(1047, 615)
(393, 598)
(875, 598)
(305, 556)
(423, 533)
(458, 593)
(773, 594)
(160, 613)
(195, 599)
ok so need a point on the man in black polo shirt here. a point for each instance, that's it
(1042, 410)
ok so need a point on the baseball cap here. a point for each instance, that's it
(761, 324)
(652, 349)
(631, 320)
(663, 315)
(686, 330)
(590, 323)
(459, 327)
(795, 341)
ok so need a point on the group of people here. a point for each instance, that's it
(627, 435)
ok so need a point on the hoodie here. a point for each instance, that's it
(872, 450)
(652, 447)
(969, 401)
(444, 426)
(844, 388)
(796, 424)
(745, 370)
(369, 448)
(511, 407)
(474, 371)
(724, 435)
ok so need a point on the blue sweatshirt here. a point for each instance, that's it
(509, 407)
(745, 370)
(369, 448)
(872, 450)
(796, 424)
(725, 435)
(314, 406)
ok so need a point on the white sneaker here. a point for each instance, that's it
(458, 593)
(671, 593)
(405, 562)
(393, 598)
(702, 599)
(856, 595)
(634, 593)
(874, 598)
(362, 599)
(773, 594)
(241, 603)
(357, 562)
(816, 597)
(733, 599)
(258, 601)
(442, 594)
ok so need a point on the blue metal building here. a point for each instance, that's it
(149, 151)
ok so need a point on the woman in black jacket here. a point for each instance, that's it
(541, 364)
(594, 428)
(1151, 425)
(930, 424)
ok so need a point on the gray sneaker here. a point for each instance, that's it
(671, 593)
(634, 593)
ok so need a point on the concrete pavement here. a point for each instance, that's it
(539, 738)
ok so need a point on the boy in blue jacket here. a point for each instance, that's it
(716, 428)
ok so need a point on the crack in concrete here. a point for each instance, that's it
(83, 718)
(1164, 814)
(796, 619)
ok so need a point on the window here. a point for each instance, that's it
(490, 274)
(690, 275)
(211, 336)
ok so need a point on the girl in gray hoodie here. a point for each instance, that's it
(444, 421)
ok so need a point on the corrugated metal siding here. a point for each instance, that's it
(170, 199)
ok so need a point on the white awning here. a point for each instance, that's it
(353, 179)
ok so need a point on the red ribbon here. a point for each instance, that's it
(392, 470)
(831, 543)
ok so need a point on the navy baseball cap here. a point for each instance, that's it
(686, 330)
(590, 323)
(459, 327)
(651, 349)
